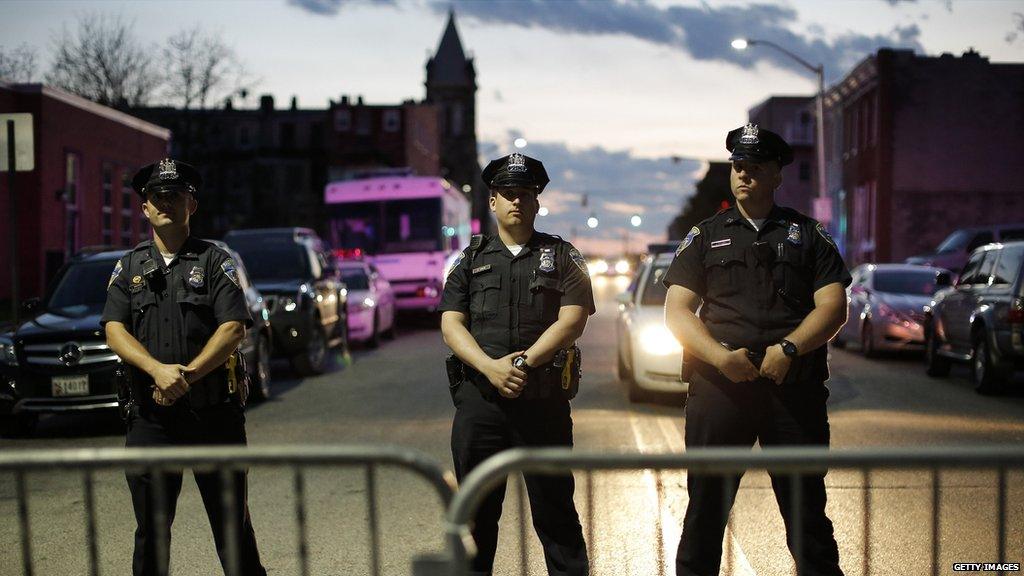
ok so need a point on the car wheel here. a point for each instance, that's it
(313, 359)
(18, 426)
(374, 340)
(936, 365)
(986, 377)
(261, 371)
(624, 374)
(392, 332)
(867, 340)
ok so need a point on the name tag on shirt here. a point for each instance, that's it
(481, 269)
(721, 243)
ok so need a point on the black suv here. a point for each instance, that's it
(981, 319)
(58, 361)
(303, 291)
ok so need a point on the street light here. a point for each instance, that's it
(742, 43)
(636, 220)
(592, 222)
(543, 211)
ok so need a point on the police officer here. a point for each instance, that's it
(513, 304)
(175, 313)
(771, 282)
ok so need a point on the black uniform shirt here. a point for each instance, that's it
(511, 300)
(174, 312)
(757, 286)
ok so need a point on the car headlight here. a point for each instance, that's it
(597, 267)
(7, 355)
(658, 341)
(622, 267)
(287, 303)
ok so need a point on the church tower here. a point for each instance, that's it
(451, 85)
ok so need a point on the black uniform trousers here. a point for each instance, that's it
(222, 424)
(720, 412)
(484, 427)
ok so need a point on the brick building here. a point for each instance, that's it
(918, 146)
(792, 117)
(79, 194)
(268, 166)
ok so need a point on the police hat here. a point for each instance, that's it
(757, 145)
(167, 175)
(516, 170)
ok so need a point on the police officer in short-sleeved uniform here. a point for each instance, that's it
(175, 313)
(512, 306)
(770, 285)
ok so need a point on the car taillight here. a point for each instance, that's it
(1016, 314)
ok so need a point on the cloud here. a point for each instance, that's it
(332, 7)
(1018, 29)
(616, 184)
(704, 32)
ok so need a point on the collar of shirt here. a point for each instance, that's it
(188, 251)
(775, 216)
(495, 244)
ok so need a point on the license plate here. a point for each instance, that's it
(70, 385)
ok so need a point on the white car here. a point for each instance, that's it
(371, 303)
(887, 304)
(650, 359)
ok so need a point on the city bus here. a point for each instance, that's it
(407, 226)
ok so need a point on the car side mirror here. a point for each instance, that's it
(30, 305)
(624, 298)
(943, 280)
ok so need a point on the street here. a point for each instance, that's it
(396, 395)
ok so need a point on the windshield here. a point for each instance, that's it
(269, 260)
(954, 242)
(387, 227)
(82, 289)
(654, 290)
(920, 283)
(355, 279)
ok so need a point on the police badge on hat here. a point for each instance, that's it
(750, 134)
(794, 234)
(195, 277)
(166, 170)
(228, 266)
(517, 163)
(547, 260)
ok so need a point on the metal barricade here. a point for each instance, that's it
(225, 461)
(725, 462)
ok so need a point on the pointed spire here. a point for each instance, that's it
(449, 64)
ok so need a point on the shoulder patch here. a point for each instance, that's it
(824, 234)
(455, 264)
(580, 261)
(231, 271)
(114, 274)
(693, 233)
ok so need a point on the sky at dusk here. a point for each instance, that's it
(605, 93)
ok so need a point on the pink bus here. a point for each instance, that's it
(406, 226)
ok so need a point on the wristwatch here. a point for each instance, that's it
(789, 349)
(519, 363)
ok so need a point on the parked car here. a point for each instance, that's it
(952, 252)
(302, 289)
(649, 357)
(57, 361)
(887, 303)
(981, 319)
(371, 303)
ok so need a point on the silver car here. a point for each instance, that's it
(887, 304)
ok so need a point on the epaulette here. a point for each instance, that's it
(144, 245)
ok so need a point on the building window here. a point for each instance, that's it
(316, 135)
(244, 136)
(126, 208)
(455, 126)
(108, 205)
(293, 178)
(363, 122)
(286, 135)
(805, 171)
(342, 120)
(71, 203)
(392, 120)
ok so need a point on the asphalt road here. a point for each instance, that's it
(396, 395)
